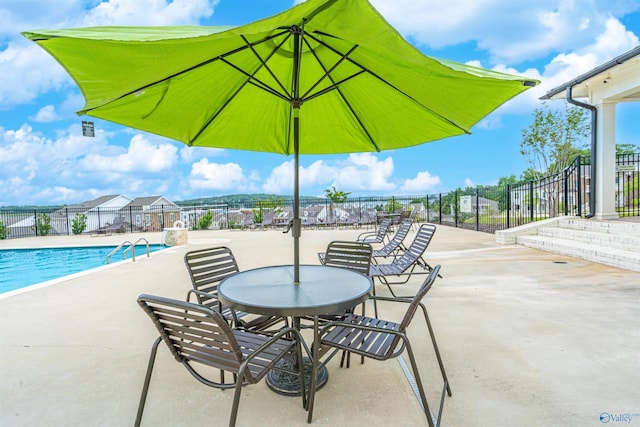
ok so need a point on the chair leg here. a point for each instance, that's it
(147, 380)
(375, 302)
(314, 370)
(435, 347)
(298, 339)
(236, 399)
(416, 376)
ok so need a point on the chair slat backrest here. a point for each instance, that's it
(383, 229)
(396, 241)
(417, 247)
(207, 267)
(193, 333)
(354, 256)
(413, 306)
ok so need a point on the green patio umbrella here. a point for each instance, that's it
(326, 76)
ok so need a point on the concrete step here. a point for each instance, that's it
(626, 241)
(615, 227)
(627, 259)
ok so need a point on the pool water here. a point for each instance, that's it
(25, 267)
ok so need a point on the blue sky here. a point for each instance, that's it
(44, 159)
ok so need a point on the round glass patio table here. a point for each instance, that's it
(271, 291)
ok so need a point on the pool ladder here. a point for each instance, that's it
(132, 247)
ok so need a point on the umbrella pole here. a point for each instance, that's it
(297, 223)
(296, 103)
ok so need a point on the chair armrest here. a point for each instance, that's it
(281, 333)
(407, 299)
(213, 295)
(366, 234)
(397, 351)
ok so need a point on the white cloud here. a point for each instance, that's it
(190, 154)
(35, 169)
(141, 156)
(421, 184)
(362, 172)
(27, 71)
(22, 15)
(149, 12)
(281, 179)
(469, 183)
(510, 31)
(614, 40)
(219, 176)
(70, 168)
(46, 114)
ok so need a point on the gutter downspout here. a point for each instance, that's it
(594, 128)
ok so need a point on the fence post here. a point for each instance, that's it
(508, 198)
(440, 207)
(565, 175)
(579, 186)
(477, 209)
(531, 201)
(35, 221)
(455, 207)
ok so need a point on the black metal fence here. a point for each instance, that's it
(484, 208)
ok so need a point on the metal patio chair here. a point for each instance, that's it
(395, 245)
(378, 236)
(207, 267)
(380, 339)
(406, 263)
(354, 256)
(197, 335)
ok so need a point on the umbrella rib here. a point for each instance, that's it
(251, 80)
(256, 82)
(336, 86)
(327, 72)
(264, 61)
(186, 70)
(435, 113)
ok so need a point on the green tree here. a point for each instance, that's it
(627, 149)
(555, 138)
(43, 224)
(392, 206)
(529, 175)
(79, 224)
(501, 194)
(552, 142)
(335, 196)
(3, 231)
(205, 221)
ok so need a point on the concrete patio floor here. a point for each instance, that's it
(528, 338)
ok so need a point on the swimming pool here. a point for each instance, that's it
(20, 268)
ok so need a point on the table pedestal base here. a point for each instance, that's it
(288, 384)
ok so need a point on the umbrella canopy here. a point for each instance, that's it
(327, 76)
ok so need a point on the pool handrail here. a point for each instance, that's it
(132, 246)
(117, 249)
(133, 249)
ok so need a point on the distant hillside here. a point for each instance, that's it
(236, 199)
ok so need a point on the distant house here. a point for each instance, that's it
(100, 213)
(480, 205)
(151, 213)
